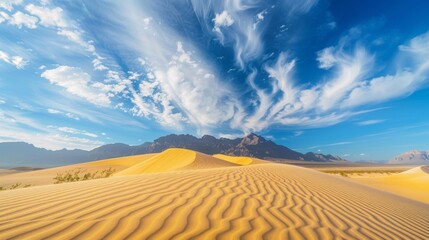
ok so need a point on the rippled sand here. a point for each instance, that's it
(205, 198)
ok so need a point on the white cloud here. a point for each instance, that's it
(332, 100)
(298, 133)
(147, 22)
(98, 65)
(54, 111)
(242, 35)
(74, 131)
(18, 61)
(3, 16)
(51, 140)
(67, 114)
(231, 136)
(75, 36)
(49, 17)
(7, 118)
(330, 145)
(222, 20)
(204, 103)
(9, 4)
(310, 106)
(180, 86)
(408, 78)
(4, 56)
(350, 71)
(261, 15)
(326, 58)
(370, 122)
(21, 19)
(76, 82)
(259, 18)
(55, 18)
(176, 85)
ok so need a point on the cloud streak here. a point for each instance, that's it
(159, 67)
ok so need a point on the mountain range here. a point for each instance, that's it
(14, 154)
(412, 157)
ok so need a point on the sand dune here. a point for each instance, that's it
(7, 171)
(45, 176)
(236, 160)
(413, 183)
(174, 159)
(263, 201)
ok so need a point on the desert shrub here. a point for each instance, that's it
(348, 172)
(15, 186)
(80, 175)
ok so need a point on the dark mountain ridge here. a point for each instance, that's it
(24, 154)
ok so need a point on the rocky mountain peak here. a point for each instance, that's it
(252, 139)
(412, 157)
(252, 145)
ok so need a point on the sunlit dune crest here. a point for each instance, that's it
(45, 176)
(183, 194)
(236, 160)
(175, 159)
(413, 183)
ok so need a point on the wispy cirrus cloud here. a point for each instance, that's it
(18, 126)
(73, 131)
(21, 19)
(222, 72)
(18, 61)
(10, 4)
(78, 83)
(173, 66)
(370, 122)
(67, 114)
(330, 145)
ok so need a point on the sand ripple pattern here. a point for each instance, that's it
(265, 201)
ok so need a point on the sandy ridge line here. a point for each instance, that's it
(259, 201)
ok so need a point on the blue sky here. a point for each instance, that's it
(341, 77)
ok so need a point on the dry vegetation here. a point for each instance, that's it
(15, 186)
(183, 194)
(360, 172)
(77, 175)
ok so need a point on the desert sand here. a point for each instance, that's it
(45, 176)
(174, 159)
(413, 183)
(202, 197)
(237, 160)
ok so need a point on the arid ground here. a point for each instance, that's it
(182, 194)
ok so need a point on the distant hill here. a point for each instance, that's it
(412, 157)
(317, 157)
(14, 154)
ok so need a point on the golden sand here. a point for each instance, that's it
(174, 159)
(413, 183)
(262, 201)
(236, 160)
(43, 177)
